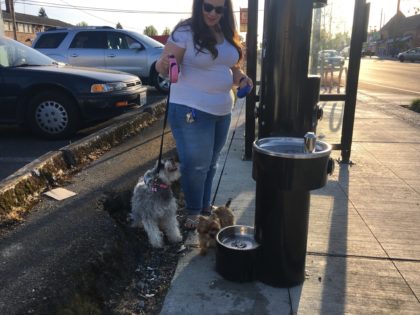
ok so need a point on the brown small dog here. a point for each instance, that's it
(208, 227)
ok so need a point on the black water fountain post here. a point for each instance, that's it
(288, 161)
(289, 97)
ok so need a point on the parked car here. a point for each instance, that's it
(54, 99)
(330, 57)
(410, 55)
(104, 47)
(367, 52)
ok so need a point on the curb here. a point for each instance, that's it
(22, 190)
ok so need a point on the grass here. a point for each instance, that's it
(415, 105)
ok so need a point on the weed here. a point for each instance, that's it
(415, 105)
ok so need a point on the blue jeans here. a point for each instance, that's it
(198, 144)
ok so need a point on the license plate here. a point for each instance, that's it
(143, 98)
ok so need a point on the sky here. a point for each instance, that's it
(169, 12)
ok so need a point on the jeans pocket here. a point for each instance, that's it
(178, 115)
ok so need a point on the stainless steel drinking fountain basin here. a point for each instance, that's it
(291, 148)
(286, 164)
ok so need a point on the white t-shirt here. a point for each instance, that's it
(204, 83)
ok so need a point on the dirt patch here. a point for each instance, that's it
(132, 279)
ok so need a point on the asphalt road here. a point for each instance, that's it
(19, 147)
(390, 77)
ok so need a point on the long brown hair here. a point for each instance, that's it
(203, 37)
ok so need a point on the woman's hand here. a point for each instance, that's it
(241, 79)
(162, 65)
(244, 81)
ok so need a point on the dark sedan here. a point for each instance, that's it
(330, 58)
(55, 100)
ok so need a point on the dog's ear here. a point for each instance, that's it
(148, 176)
(227, 205)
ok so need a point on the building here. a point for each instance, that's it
(160, 38)
(399, 34)
(26, 25)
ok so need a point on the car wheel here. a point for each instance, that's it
(53, 115)
(160, 83)
(401, 58)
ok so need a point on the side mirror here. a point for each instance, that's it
(136, 46)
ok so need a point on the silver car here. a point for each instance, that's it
(410, 55)
(104, 47)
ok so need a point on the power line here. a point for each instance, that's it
(90, 13)
(72, 7)
(85, 9)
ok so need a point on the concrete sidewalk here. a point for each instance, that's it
(363, 243)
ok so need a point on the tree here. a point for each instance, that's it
(42, 13)
(337, 41)
(166, 31)
(119, 26)
(150, 31)
(82, 24)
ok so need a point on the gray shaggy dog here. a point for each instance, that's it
(153, 204)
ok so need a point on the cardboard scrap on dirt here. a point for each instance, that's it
(59, 193)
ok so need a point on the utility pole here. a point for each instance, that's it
(380, 23)
(331, 17)
(10, 8)
(1, 25)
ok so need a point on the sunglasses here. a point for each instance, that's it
(209, 7)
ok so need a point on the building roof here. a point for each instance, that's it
(399, 23)
(33, 19)
(412, 22)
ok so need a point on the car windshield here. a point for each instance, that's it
(15, 54)
(330, 53)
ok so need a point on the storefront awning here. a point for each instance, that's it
(406, 38)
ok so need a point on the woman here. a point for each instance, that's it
(208, 50)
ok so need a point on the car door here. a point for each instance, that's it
(126, 54)
(409, 55)
(417, 54)
(8, 93)
(87, 49)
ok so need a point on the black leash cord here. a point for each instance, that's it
(163, 130)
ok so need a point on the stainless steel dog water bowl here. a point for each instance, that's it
(236, 253)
